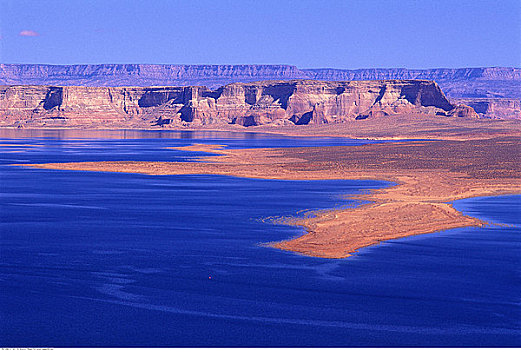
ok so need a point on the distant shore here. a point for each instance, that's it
(429, 175)
(397, 127)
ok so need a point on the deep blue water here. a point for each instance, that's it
(104, 259)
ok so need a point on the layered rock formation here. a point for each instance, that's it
(248, 104)
(495, 82)
(212, 76)
(494, 108)
(491, 82)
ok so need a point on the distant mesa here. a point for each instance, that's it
(491, 82)
(294, 102)
(495, 92)
(494, 108)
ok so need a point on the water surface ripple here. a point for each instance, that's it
(104, 259)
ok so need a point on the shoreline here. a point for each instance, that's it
(419, 203)
(395, 128)
(313, 232)
(269, 131)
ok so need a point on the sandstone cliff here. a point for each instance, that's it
(493, 82)
(494, 108)
(490, 82)
(248, 104)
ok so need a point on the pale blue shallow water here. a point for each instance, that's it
(103, 259)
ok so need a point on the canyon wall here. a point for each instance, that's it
(212, 76)
(492, 82)
(247, 104)
(494, 108)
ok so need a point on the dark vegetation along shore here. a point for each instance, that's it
(479, 160)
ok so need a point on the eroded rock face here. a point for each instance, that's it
(488, 82)
(143, 74)
(248, 104)
(494, 108)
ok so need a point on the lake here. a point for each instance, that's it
(110, 259)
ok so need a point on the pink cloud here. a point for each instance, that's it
(28, 33)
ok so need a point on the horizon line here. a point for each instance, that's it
(253, 64)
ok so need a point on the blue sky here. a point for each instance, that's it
(306, 33)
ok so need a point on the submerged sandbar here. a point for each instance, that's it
(428, 176)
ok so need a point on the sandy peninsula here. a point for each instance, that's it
(429, 175)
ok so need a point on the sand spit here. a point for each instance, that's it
(429, 175)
